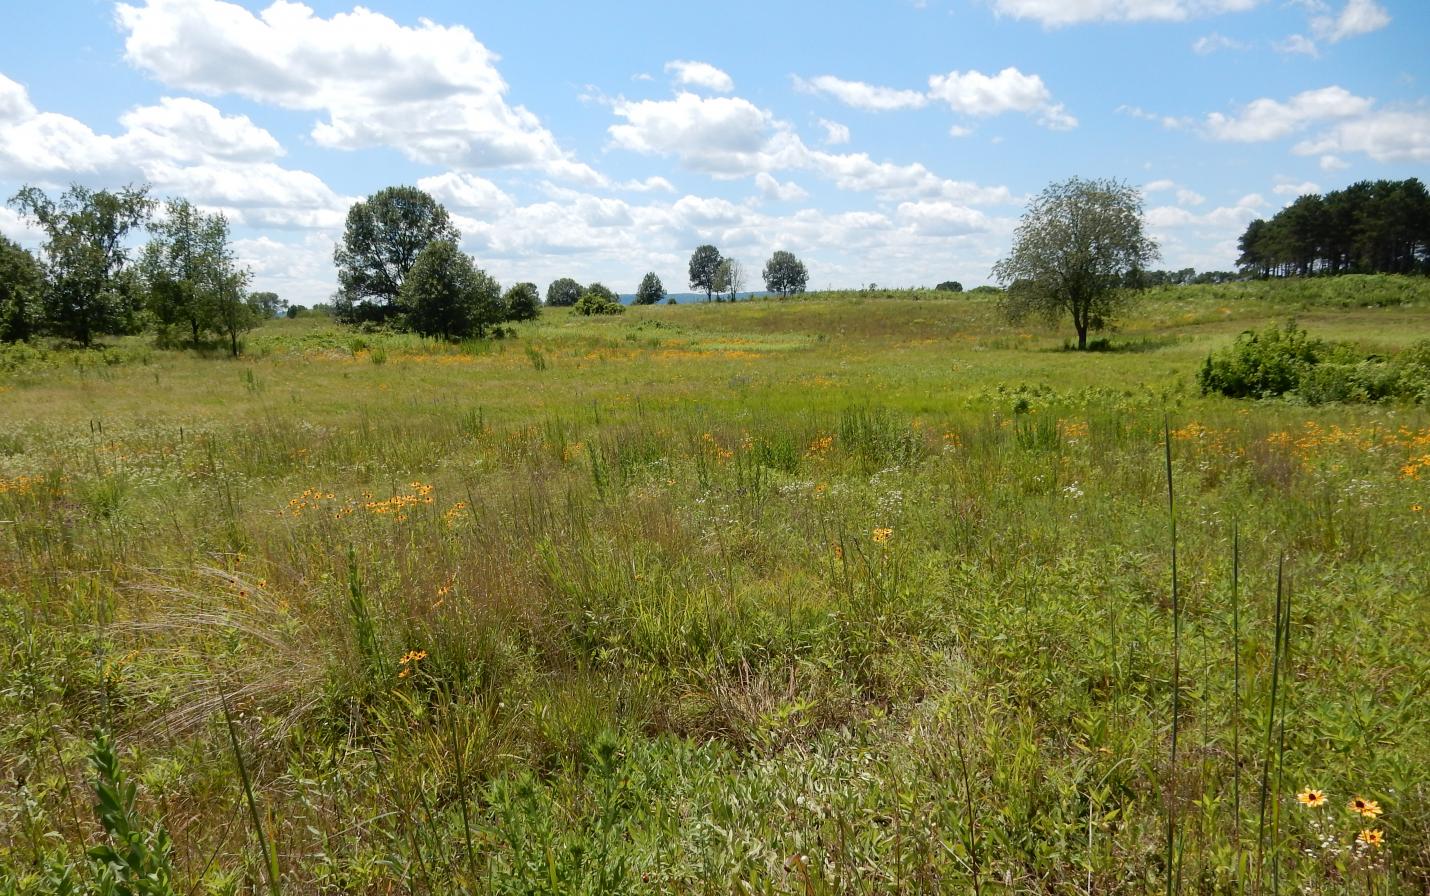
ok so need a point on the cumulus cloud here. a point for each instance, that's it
(1389, 135)
(1292, 189)
(977, 94)
(771, 188)
(1214, 42)
(1268, 119)
(859, 95)
(1355, 18)
(1057, 13)
(1297, 44)
(700, 74)
(834, 132)
(432, 92)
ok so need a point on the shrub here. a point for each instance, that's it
(598, 299)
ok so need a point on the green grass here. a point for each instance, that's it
(841, 594)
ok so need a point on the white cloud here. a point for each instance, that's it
(1268, 119)
(1170, 122)
(1189, 197)
(1333, 163)
(1385, 135)
(959, 130)
(771, 188)
(868, 97)
(1287, 188)
(941, 218)
(466, 192)
(1356, 17)
(1056, 13)
(176, 123)
(1214, 42)
(1297, 44)
(700, 74)
(1157, 186)
(431, 91)
(834, 132)
(974, 93)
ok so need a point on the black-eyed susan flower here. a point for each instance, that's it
(1311, 798)
(1371, 837)
(882, 535)
(1364, 807)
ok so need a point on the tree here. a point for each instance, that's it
(704, 266)
(650, 291)
(949, 286)
(85, 255)
(22, 282)
(1072, 250)
(381, 241)
(522, 302)
(182, 269)
(563, 292)
(598, 299)
(730, 278)
(447, 295)
(235, 312)
(785, 274)
(268, 304)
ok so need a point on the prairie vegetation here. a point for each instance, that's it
(838, 594)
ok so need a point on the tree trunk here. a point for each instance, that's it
(233, 340)
(1081, 336)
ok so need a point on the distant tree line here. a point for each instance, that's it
(723, 279)
(1369, 227)
(184, 285)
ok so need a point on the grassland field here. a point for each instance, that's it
(843, 594)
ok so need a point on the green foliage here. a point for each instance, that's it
(136, 859)
(87, 290)
(785, 274)
(563, 293)
(446, 294)
(650, 291)
(382, 238)
(1075, 247)
(522, 302)
(22, 283)
(705, 269)
(598, 299)
(1287, 360)
(949, 286)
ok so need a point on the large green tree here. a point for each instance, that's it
(650, 291)
(522, 302)
(705, 269)
(447, 295)
(183, 269)
(785, 274)
(85, 254)
(381, 240)
(22, 282)
(563, 292)
(1076, 245)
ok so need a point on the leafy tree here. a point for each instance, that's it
(85, 255)
(522, 302)
(730, 278)
(598, 299)
(563, 293)
(650, 291)
(1072, 251)
(704, 268)
(268, 304)
(182, 268)
(448, 296)
(381, 241)
(22, 282)
(785, 274)
(235, 312)
(949, 286)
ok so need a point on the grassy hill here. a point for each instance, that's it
(848, 593)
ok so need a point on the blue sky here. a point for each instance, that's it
(893, 142)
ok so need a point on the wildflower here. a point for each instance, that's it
(1371, 837)
(838, 552)
(1364, 807)
(882, 535)
(1311, 798)
(409, 661)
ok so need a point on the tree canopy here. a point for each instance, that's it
(705, 269)
(563, 292)
(446, 294)
(949, 286)
(785, 274)
(650, 291)
(21, 287)
(85, 254)
(1378, 226)
(1074, 248)
(522, 301)
(381, 240)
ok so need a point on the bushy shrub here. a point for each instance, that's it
(1286, 360)
(598, 299)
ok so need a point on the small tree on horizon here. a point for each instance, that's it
(1075, 247)
(704, 269)
(785, 274)
(949, 286)
(522, 302)
(563, 292)
(651, 290)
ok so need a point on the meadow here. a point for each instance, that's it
(853, 593)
